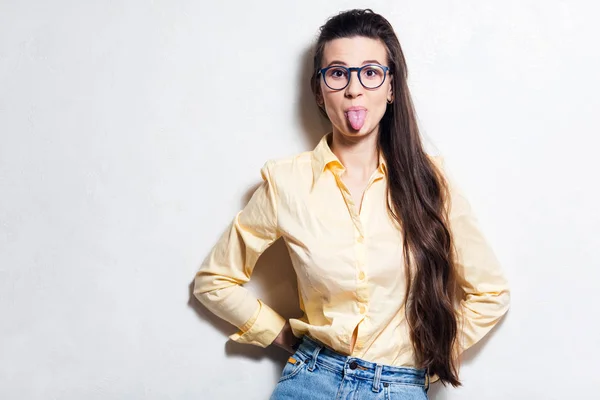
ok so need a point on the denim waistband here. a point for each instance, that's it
(319, 353)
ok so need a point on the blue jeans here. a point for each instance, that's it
(316, 372)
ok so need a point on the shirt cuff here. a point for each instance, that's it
(263, 330)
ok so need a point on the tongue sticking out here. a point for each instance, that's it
(356, 118)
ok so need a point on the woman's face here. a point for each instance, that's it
(369, 104)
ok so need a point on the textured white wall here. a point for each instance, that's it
(132, 131)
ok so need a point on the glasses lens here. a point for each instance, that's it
(372, 76)
(336, 78)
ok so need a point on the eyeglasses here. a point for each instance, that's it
(337, 77)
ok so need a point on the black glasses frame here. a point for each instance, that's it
(358, 70)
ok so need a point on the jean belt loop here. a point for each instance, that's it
(377, 379)
(313, 357)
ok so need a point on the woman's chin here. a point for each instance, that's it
(347, 130)
(363, 130)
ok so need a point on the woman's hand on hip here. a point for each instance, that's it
(286, 339)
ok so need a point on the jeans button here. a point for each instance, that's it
(353, 365)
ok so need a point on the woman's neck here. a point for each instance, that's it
(359, 155)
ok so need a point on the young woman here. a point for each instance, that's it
(395, 278)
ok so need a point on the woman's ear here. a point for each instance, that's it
(390, 94)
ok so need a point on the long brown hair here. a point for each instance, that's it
(417, 200)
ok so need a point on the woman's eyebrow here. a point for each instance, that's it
(338, 62)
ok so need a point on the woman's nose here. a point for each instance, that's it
(354, 87)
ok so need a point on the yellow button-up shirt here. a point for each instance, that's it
(349, 263)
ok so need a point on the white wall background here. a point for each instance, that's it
(132, 131)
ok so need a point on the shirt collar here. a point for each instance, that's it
(323, 157)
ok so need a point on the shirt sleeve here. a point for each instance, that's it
(218, 284)
(486, 293)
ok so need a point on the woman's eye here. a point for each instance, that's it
(371, 72)
(337, 73)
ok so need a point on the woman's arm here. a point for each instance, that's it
(218, 283)
(486, 292)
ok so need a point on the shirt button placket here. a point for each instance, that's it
(362, 290)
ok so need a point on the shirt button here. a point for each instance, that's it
(363, 309)
(361, 275)
(353, 365)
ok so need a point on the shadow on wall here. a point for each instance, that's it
(274, 279)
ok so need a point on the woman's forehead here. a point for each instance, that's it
(354, 51)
